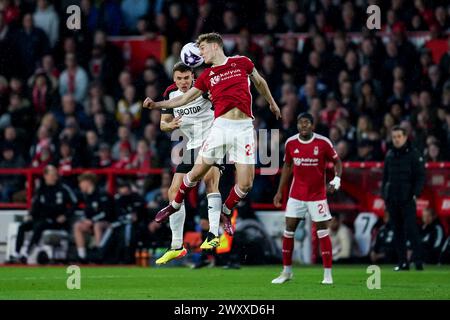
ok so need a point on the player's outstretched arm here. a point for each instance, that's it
(286, 172)
(192, 94)
(263, 88)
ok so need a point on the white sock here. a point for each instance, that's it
(327, 273)
(214, 206)
(81, 253)
(176, 205)
(287, 269)
(176, 222)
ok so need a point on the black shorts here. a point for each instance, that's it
(188, 161)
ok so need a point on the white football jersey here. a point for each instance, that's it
(196, 117)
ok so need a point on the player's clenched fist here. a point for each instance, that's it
(277, 200)
(148, 103)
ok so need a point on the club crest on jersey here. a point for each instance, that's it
(215, 80)
(316, 150)
(211, 73)
(296, 151)
(233, 64)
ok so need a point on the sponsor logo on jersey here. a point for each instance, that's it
(187, 111)
(296, 151)
(306, 162)
(211, 73)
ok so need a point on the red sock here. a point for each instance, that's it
(234, 197)
(288, 248)
(325, 248)
(185, 187)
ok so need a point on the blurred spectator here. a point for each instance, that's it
(96, 211)
(129, 104)
(433, 153)
(46, 18)
(103, 158)
(42, 151)
(341, 239)
(97, 101)
(10, 184)
(132, 10)
(73, 80)
(383, 249)
(7, 53)
(52, 207)
(41, 94)
(110, 17)
(173, 58)
(126, 140)
(121, 238)
(230, 22)
(32, 44)
(433, 236)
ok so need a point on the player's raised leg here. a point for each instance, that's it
(214, 208)
(190, 180)
(245, 173)
(176, 222)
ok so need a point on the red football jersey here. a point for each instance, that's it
(229, 85)
(310, 161)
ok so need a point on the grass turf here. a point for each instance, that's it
(249, 283)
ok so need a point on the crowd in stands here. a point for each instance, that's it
(68, 98)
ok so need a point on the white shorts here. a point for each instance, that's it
(233, 137)
(318, 210)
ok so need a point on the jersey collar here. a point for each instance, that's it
(224, 63)
(308, 141)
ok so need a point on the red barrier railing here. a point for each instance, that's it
(362, 186)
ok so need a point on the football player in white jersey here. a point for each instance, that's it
(194, 120)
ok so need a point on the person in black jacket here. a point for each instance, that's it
(119, 241)
(403, 181)
(52, 207)
(97, 211)
(433, 236)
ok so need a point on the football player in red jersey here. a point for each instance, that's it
(306, 157)
(232, 133)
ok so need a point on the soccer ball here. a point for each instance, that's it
(190, 55)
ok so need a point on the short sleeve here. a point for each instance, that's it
(287, 154)
(330, 152)
(248, 65)
(201, 82)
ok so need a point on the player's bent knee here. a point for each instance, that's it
(246, 187)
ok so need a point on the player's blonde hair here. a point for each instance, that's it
(212, 37)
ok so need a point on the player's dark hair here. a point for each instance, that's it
(398, 128)
(305, 115)
(212, 37)
(181, 67)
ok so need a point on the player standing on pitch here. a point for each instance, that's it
(306, 155)
(232, 131)
(195, 120)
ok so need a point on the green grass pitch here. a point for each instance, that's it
(248, 283)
